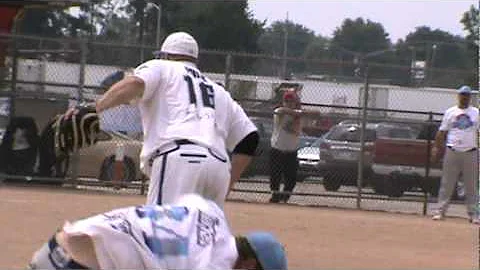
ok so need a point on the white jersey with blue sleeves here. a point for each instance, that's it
(190, 234)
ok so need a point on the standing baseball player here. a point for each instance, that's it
(191, 233)
(188, 121)
(458, 133)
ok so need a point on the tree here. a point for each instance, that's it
(360, 36)
(301, 42)
(216, 25)
(354, 38)
(471, 22)
(298, 38)
(447, 58)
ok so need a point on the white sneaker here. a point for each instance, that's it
(438, 217)
(475, 220)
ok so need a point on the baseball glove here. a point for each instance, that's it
(77, 131)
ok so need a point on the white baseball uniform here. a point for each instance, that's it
(189, 123)
(190, 234)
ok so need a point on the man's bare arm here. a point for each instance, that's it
(121, 93)
(241, 157)
(286, 110)
(440, 139)
(239, 164)
(438, 145)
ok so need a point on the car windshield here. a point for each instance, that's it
(317, 143)
(306, 141)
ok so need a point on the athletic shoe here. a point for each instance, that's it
(475, 220)
(438, 217)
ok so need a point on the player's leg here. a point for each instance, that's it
(470, 180)
(290, 168)
(157, 175)
(180, 173)
(451, 170)
(54, 255)
(217, 181)
(276, 163)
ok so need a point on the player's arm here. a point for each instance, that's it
(440, 138)
(242, 155)
(289, 111)
(121, 92)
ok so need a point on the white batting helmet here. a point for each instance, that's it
(180, 43)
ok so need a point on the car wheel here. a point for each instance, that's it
(301, 178)
(430, 185)
(331, 183)
(108, 168)
(393, 186)
(378, 185)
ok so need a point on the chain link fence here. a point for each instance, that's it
(365, 138)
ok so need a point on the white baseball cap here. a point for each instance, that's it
(180, 43)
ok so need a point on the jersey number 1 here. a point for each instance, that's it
(206, 91)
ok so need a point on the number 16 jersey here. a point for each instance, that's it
(179, 102)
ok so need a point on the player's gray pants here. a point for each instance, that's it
(455, 163)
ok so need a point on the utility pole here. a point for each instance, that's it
(285, 48)
(432, 64)
(158, 7)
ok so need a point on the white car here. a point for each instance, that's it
(308, 158)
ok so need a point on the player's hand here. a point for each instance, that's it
(76, 110)
(434, 155)
(70, 112)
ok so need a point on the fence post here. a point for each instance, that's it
(427, 163)
(83, 63)
(13, 82)
(81, 82)
(228, 71)
(118, 165)
(362, 139)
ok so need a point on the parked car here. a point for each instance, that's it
(260, 162)
(340, 151)
(400, 164)
(98, 161)
(308, 157)
(305, 140)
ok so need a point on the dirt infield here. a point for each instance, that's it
(315, 238)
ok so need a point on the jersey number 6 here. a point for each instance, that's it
(206, 91)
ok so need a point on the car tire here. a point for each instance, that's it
(301, 178)
(331, 182)
(378, 185)
(431, 186)
(393, 186)
(108, 167)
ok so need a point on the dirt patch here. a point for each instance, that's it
(315, 238)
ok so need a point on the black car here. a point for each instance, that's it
(260, 162)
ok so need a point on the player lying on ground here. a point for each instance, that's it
(191, 233)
